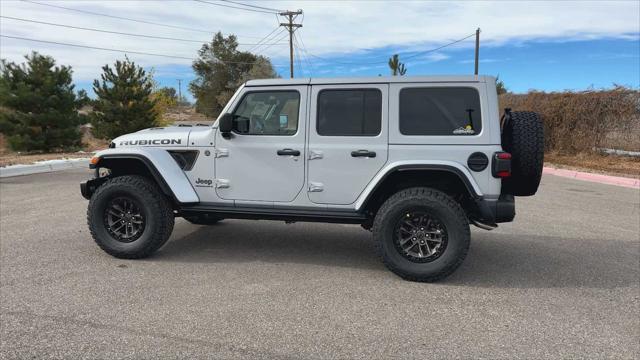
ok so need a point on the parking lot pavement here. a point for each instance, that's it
(561, 281)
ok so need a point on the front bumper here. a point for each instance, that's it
(88, 187)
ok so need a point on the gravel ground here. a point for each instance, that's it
(561, 281)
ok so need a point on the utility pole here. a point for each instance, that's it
(179, 98)
(291, 27)
(477, 49)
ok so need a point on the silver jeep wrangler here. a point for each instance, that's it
(415, 160)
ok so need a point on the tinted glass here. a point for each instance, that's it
(349, 112)
(440, 111)
(270, 112)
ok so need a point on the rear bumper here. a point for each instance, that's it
(497, 211)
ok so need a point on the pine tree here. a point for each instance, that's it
(124, 103)
(39, 109)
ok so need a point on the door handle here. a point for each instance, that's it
(363, 153)
(288, 152)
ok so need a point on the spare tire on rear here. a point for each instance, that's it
(523, 137)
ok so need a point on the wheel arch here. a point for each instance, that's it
(447, 177)
(155, 164)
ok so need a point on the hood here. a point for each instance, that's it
(161, 136)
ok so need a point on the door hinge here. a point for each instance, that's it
(221, 153)
(316, 187)
(315, 154)
(222, 184)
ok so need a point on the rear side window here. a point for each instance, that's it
(353, 112)
(440, 111)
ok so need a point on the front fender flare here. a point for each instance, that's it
(163, 168)
(450, 166)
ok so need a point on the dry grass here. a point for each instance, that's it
(185, 114)
(578, 122)
(609, 164)
(90, 144)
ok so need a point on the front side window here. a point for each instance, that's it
(269, 112)
(354, 112)
(440, 111)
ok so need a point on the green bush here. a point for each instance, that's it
(39, 107)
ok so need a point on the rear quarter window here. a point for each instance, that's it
(451, 111)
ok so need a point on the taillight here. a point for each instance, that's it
(501, 166)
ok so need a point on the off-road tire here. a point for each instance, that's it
(523, 137)
(204, 219)
(158, 216)
(441, 206)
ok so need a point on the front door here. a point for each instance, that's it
(348, 142)
(266, 161)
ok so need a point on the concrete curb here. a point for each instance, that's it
(43, 167)
(597, 178)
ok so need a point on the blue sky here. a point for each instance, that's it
(542, 45)
(539, 65)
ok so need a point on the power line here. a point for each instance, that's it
(253, 6)
(404, 57)
(301, 46)
(112, 32)
(296, 49)
(274, 38)
(266, 48)
(122, 51)
(128, 19)
(236, 7)
(263, 39)
(97, 48)
(438, 48)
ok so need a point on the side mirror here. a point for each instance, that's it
(241, 125)
(226, 123)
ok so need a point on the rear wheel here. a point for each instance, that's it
(129, 217)
(421, 234)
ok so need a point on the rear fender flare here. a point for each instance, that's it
(450, 166)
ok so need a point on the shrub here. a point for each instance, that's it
(39, 109)
(583, 121)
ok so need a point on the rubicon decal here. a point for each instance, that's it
(151, 142)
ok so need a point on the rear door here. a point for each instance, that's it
(348, 140)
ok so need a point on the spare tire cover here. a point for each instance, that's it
(523, 137)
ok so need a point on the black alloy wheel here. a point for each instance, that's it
(420, 236)
(124, 219)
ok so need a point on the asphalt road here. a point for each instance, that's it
(561, 281)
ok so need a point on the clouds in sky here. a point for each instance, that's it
(331, 28)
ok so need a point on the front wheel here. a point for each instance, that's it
(421, 234)
(129, 217)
